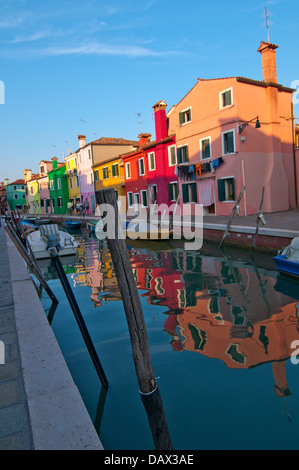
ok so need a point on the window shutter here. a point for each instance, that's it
(194, 192)
(185, 193)
(221, 190)
(230, 142)
(233, 188)
(170, 191)
(179, 155)
(182, 118)
(186, 154)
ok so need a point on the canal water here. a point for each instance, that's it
(220, 324)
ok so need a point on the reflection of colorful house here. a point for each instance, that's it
(72, 173)
(221, 143)
(58, 186)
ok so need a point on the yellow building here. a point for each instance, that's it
(110, 175)
(71, 162)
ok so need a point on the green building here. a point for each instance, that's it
(58, 187)
(16, 195)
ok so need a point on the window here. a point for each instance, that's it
(71, 183)
(96, 175)
(205, 148)
(128, 170)
(153, 190)
(189, 192)
(228, 142)
(226, 98)
(89, 154)
(68, 165)
(31, 190)
(105, 173)
(16, 196)
(182, 154)
(23, 187)
(42, 169)
(77, 181)
(185, 116)
(130, 199)
(59, 202)
(42, 203)
(76, 163)
(173, 191)
(226, 189)
(51, 185)
(151, 161)
(115, 170)
(141, 166)
(15, 188)
(59, 183)
(144, 197)
(172, 155)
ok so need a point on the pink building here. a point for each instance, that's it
(233, 132)
(85, 162)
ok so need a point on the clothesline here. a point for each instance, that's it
(190, 172)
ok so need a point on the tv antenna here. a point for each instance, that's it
(139, 122)
(267, 23)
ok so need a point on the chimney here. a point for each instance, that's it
(268, 55)
(54, 163)
(6, 181)
(27, 175)
(144, 139)
(160, 120)
(82, 140)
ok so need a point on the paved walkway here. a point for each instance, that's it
(40, 406)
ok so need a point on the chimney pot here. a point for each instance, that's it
(268, 56)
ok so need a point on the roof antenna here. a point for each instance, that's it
(267, 23)
(139, 122)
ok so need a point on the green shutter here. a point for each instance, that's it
(194, 192)
(179, 155)
(230, 142)
(233, 188)
(185, 193)
(221, 190)
(182, 118)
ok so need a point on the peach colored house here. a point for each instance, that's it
(217, 154)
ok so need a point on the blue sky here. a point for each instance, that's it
(98, 66)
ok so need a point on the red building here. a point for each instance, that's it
(150, 177)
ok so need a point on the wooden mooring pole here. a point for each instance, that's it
(235, 209)
(30, 262)
(148, 388)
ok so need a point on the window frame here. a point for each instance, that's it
(189, 188)
(234, 141)
(149, 161)
(175, 193)
(201, 149)
(105, 172)
(223, 181)
(183, 116)
(139, 172)
(221, 94)
(128, 173)
(142, 191)
(169, 148)
(180, 149)
(130, 196)
(113, 166)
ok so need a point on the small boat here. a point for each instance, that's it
(287, 260)
(48, 236)
(68, 223)
(42, 221)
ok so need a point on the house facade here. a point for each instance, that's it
(72, 172)
(2, 196)
(135, 171)
(110, 175)
(233, 132)
(58, 187)
(160, 161)
(16, 196)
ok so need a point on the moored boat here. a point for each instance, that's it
(48, 236)
(68, 223)
(287, 260)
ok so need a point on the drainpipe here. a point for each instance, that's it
(294, 152)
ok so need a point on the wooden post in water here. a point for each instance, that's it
(148, 388)
(30, 263)
(235, 208)
(259, 220)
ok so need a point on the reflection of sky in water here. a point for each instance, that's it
(220, 330)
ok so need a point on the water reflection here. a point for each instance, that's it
(216, 305)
